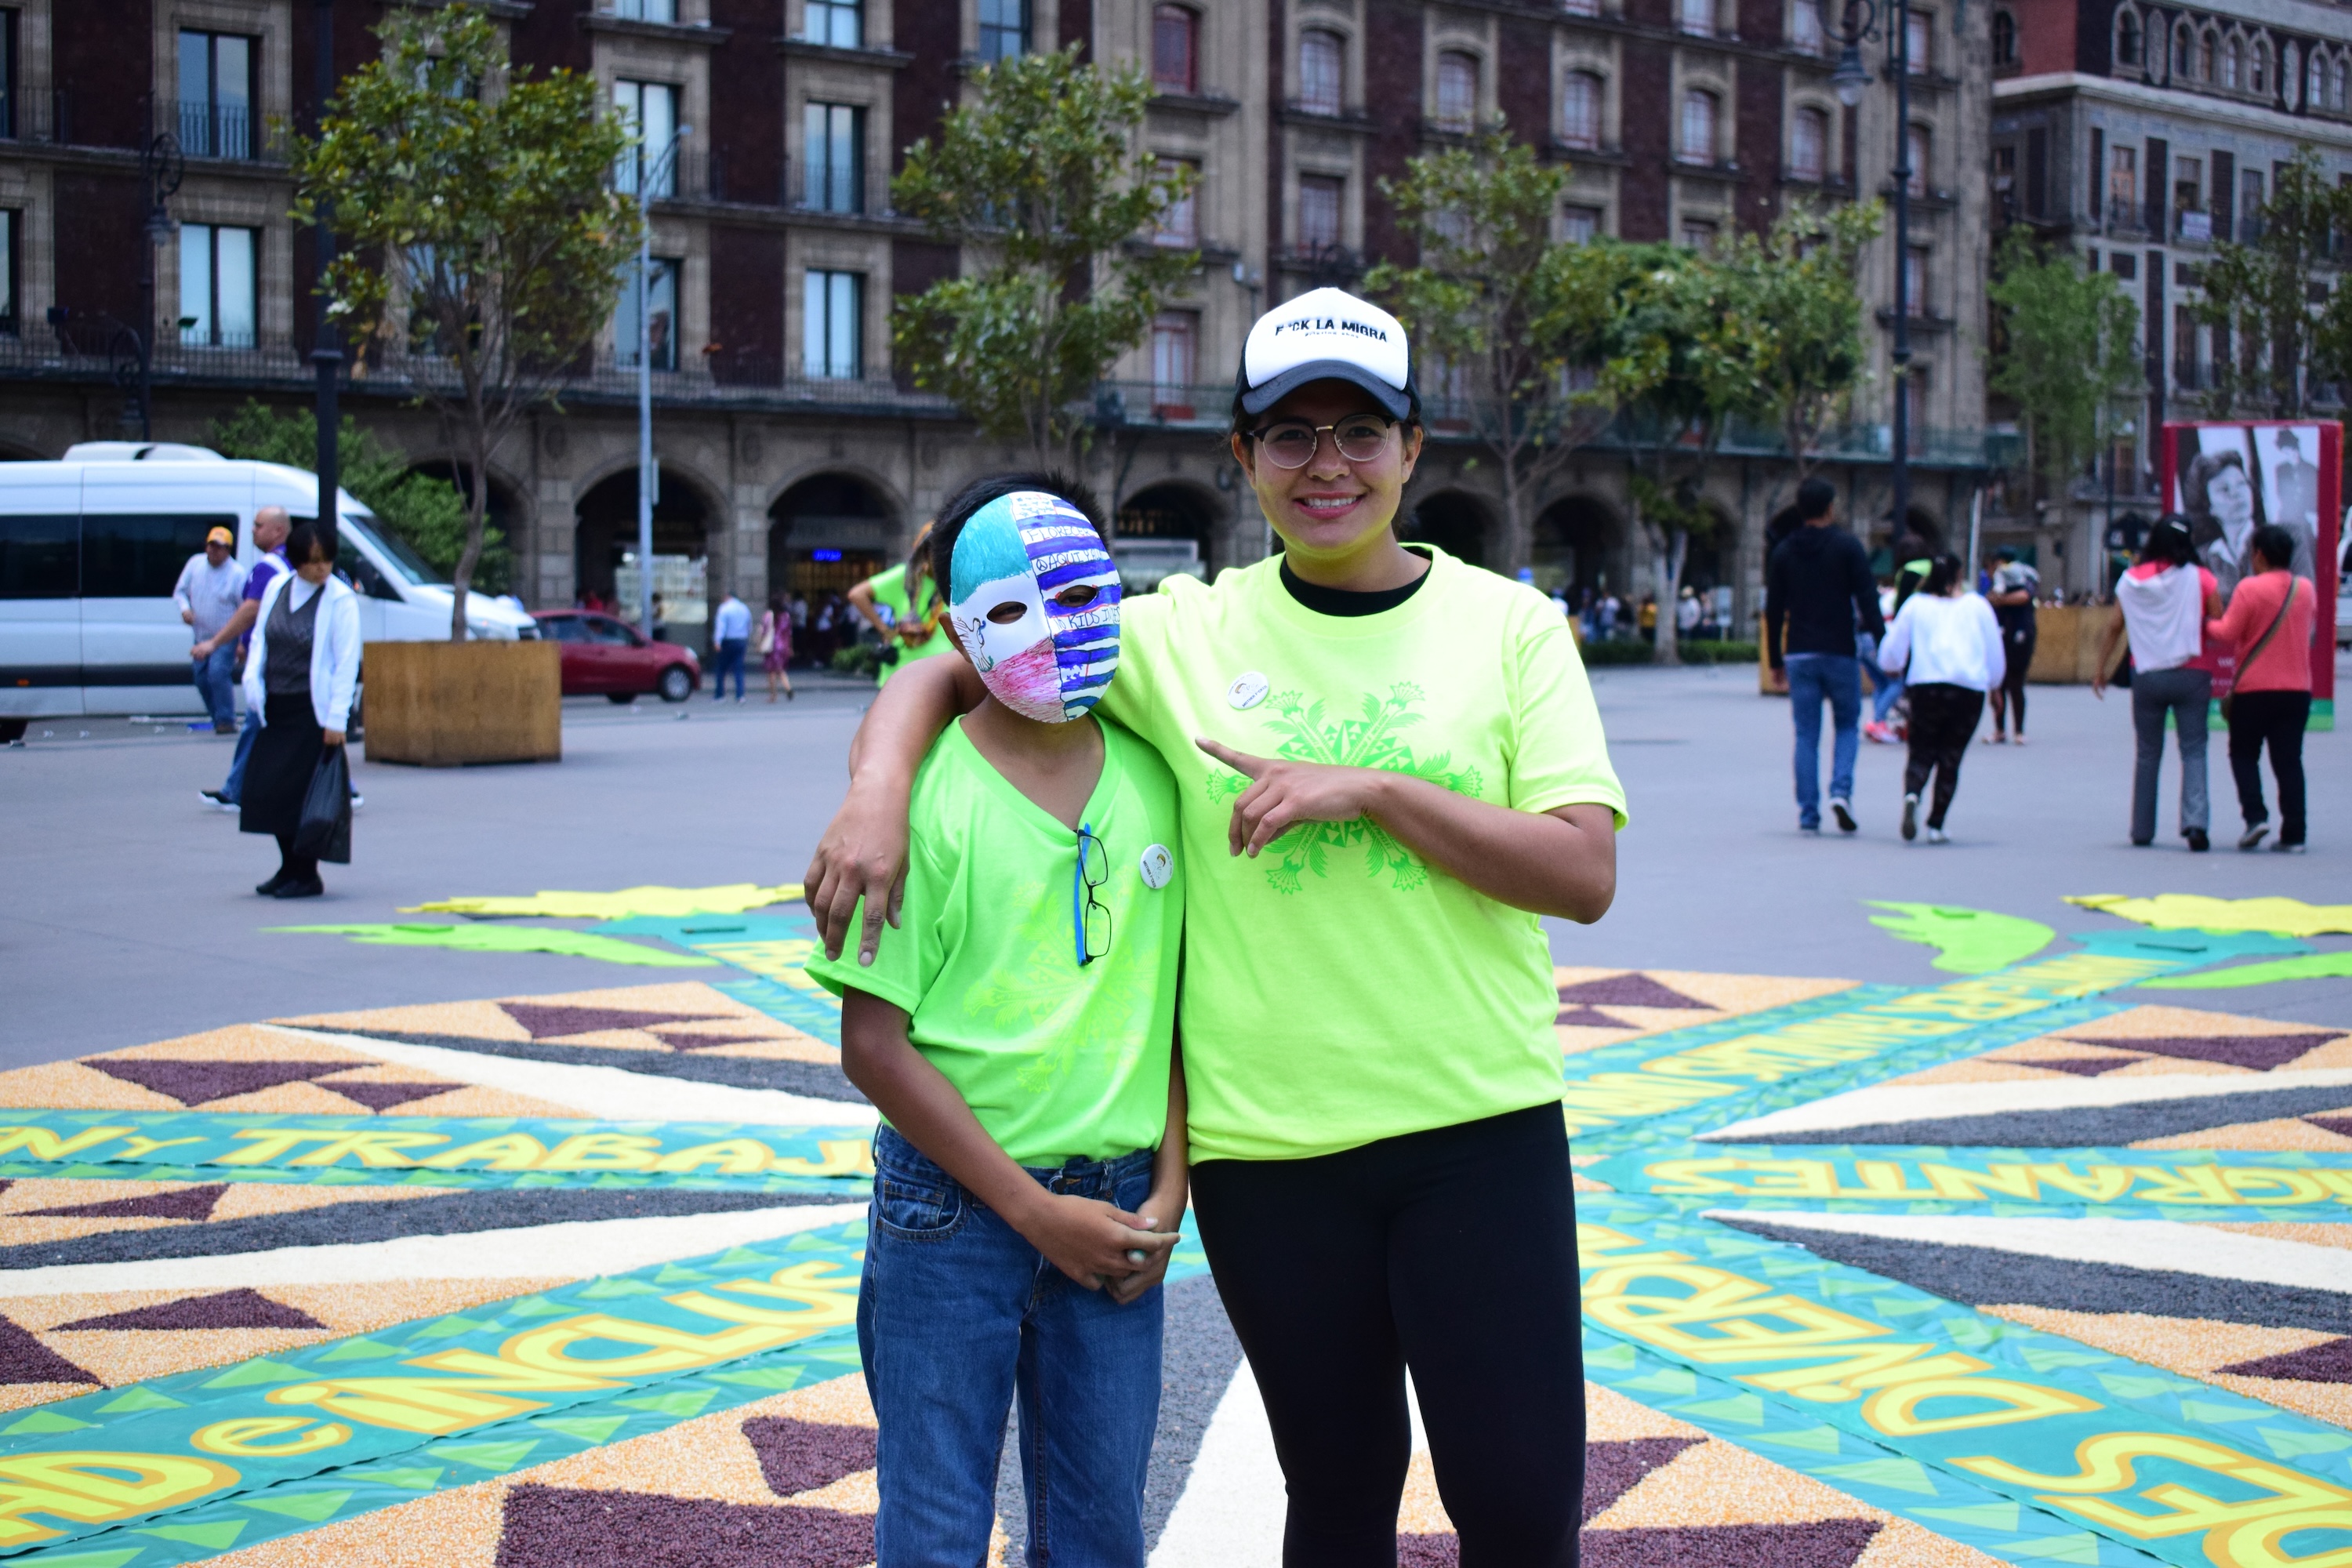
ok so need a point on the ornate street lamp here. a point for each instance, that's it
(1858, 22)
(161, 168)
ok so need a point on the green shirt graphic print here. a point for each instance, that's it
(1056, 1060)
(1337, 989)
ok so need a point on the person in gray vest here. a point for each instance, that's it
(300, 679)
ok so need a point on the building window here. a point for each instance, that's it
(832, 326)
(7, 75)
(1697, 141)
(1457, 93)
(661, 317)
(649, 11)
(1698, 234)
(1805, 26)
(2182, 46)
(1580, 7)
(11, 313)
(2258, 73)
(2004, 38)
(2336, 99)
(2314, 84)
(1322, 73)
(1175, 49)
(2229, 65)
(2123, 186)
(216, 95)
(1915, 280)
(1003, 29)
(835, 158)
(840, 23)
(1319, 197)
(649, 109)
(2189, 194)
(1918, 147)
(1808, 145)
(1579, 225)
(1179, 220)
(2184, 348)
(2205, 58)
(1175, 340)
(2250, 205)
(2128, 40)
(218, 301)
(1918, 42)
(1696, 17)
(1579, 111)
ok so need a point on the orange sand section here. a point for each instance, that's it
(1723, 995)
(240, 1042)
(2195, 1347)
(2111, 1038)
(2316, 1233)
(2288, 1133)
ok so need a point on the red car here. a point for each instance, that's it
(603, 655)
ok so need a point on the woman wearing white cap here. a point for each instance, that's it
(1390, 765)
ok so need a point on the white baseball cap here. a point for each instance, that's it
(1328, 334)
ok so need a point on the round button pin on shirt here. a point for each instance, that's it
(1156, 867)
(1248, 691)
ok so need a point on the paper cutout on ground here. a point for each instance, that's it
(2181, 911)
(1968, 942)
(733, 898)
(2317, 966)
(514, 939)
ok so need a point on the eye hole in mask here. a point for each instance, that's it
(1076, 597)
(1005, 614)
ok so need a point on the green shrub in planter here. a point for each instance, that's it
(859, 658)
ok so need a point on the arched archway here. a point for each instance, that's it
(606, 558)
(828, 533)
(1455, 520)
(1579, 545)
(1155, 528)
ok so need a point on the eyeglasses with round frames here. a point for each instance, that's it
(1292, 443)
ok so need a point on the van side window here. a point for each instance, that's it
(366, 578)
(138, 557)
(40, 558)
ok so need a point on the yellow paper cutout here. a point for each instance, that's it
(734, 898)
(2195, 912)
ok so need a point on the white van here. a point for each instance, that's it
(92, 546)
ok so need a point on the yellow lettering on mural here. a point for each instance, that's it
(732, 1156)
(1895, 1411)
(1882, 1179)
(1866, 1367)
(1972, 1001)
(248, 1436)
(838, 1157)
(1749, 1336)
(507, 1151)
(138, 1146)
(603, 1152)
(825, 1302)
(1713, 1292)
(440, 1405)
(2082, 973)
(1688, 1177)
(94, 1489)
(2097, 1184)
(43, 1144)
(2104, 1464)
(2257, 1542)
(1761, 1059)
(1598, 1100)
(2337, 1182)
(662, 1350)
(378, 1150)
(1955, 1181)
(263, 1144)
(782, 960)
(2182, 1184)
(2265, 1184)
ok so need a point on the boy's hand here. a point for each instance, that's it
(1089, 1241)
(1162, 1217)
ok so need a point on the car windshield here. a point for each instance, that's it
(391, 547)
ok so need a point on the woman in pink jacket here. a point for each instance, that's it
(2269, 622)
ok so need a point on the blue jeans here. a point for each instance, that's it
(233, 791)
(957, 1315)
(1814, 678)
(216, 679)
(731, 657)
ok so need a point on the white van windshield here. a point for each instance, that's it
(392, 548)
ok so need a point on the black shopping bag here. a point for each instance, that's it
(325, 828)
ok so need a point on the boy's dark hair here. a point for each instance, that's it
(2169, 541)
(307, 540)
(1942, 575)
(967, 500)
(2276, 544)
(1814, 497)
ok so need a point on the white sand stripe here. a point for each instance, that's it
(2154, 1243)
(1232, 1512)
(612, 1094)
(580, 1248)
(1928, 1101)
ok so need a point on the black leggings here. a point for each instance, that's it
(2020, 656)
(1453, 1251)
(1943, 716)
(2278, 718)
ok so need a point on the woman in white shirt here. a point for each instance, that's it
(1952, 642)
(299, 680)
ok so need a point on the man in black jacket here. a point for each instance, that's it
(1818, 585)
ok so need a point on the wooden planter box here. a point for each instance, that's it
(440, 704)
(2066, 643)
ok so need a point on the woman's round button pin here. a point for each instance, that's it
(1157, 866)
(1248, 689)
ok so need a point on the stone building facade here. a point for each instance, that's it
(791, 450)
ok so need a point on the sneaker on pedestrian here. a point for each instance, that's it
(2198, 842)
(300, 888)
(2284, 847)
(1843, 810)
(214, 798)
(1937, 836)
(1812, 828)
(358, 800)
(1997, 738)
(2252, 838)
(1884, 734)
(1910, 817)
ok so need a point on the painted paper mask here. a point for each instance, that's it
(1036, 600)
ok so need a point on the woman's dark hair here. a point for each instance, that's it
(2168, 543)
(306, 542)
(2275, 545)
(776, 603)
(1942, 575)
(967, 500)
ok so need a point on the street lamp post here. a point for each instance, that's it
(648, 482)
(326, 351)
(1856, 23)
(160, 170)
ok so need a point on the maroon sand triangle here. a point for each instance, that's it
(381, 1097)
(557, 1527)
(680, 1039)
(802, 1456)
(1612, 1469)
(2330, 1361)
(2259, 1052)
(1823, 1543)
(189, 1203)
(2080, 1066)
(1631, 990)
(23, 1358)
(229, 1309)
(1592, 1019)
(2339, 1125)
(547, 1021)
(196, 1083)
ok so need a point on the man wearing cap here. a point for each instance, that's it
(270, 525)
(209, 593)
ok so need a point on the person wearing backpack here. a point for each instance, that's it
(2270, 616)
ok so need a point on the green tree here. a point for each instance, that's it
(426, 513)
(2277, 333)
(1800, 277)
(2066, 350)
(1043, 184)
(1508, 322)
(483, 239)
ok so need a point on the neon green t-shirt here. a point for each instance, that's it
(890, 588)
(1337, 989)
(1056, 1061)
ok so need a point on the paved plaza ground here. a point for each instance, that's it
(283, 1215)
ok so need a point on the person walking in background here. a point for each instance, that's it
(210, 588)
(2014, 585)
(1911, 569)
(2163, 603)
(1952, 642)
(299, 685)
(1686, 616)
(270, 526)
(2270, 619)
(1816, 586)
(774, 642)
(730, 637)
(905, 604)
